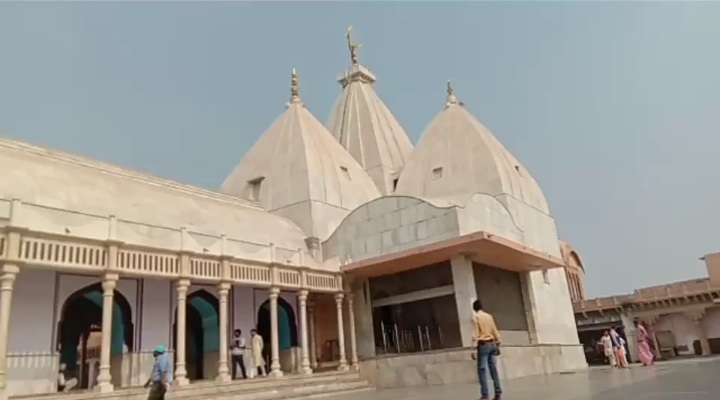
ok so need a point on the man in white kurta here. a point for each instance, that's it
(257, 353)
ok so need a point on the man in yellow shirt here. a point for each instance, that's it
(487, 340)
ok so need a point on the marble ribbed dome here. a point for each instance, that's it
(298, 170)
(366, 128)
(458, 156)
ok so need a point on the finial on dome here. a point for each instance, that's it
(352, 46)
(451, 99)
(294, 87)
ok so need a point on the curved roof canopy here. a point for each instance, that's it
(68, 182)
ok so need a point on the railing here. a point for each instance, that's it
(649, 294)
(601, 303)
(679, 289)
(401, 340)
(93, 254)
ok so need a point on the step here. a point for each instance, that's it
(338, 393)
(288, 387)
(306, 391)
(285, 389)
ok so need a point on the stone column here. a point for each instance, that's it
(223, 370)
(305, 362)
(341, 331)
(631, 336)
(353, 335)
(313, 345)
(180, 325)
(699, 317)
(465, 295)
(274, 334)
(8, 273)
(104, 379)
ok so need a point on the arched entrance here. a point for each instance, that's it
(80, 330)
(287, 327)
(202, 332)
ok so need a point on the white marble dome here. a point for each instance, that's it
(298, 170)
(458, 157)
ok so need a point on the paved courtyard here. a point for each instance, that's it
(687, 380)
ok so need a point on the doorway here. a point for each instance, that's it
(80, 332)
(202, 333)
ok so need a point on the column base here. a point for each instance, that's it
(223, 377)
(104, 387)
(183, 381)
(306, 371)
(3, 394)
(355, 367)
(343, 368)
(276, 374)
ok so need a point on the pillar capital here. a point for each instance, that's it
(109, 282)
(274, 292)
(697, 315)
(339, 298)
(182, 285)
(8, 271)
(303, 295)
(8, 274)
(224, 286)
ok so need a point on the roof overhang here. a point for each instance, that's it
(481, 247)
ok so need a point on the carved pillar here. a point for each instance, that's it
(305, 362)
(313, 345)
(180, 325)
(223, 370)
(104, 383)
(341, 331)
(274, 334)
(8, 273)
(353, 335)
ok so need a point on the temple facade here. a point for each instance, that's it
(344, 246)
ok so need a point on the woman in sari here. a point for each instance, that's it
(644, 352)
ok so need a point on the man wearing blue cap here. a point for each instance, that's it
(160, 377)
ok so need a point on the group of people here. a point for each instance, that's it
(487, 341)
(615, 347)
(161, 376)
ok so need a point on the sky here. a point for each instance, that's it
(613, 107)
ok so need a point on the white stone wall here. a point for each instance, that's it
(549, 301)
(389, 225)
(455, 366)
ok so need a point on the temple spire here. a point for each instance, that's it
(294, 87)
(451, 98)
(352, 46)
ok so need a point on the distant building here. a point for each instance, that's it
(684, 317)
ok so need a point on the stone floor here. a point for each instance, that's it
(687, 380)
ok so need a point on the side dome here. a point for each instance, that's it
(297, 170)
(458, 156)
(366, 128)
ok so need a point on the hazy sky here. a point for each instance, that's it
(614, 107)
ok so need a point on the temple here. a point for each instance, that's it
(352, 253)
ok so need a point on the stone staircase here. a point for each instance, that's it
(286, 388)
